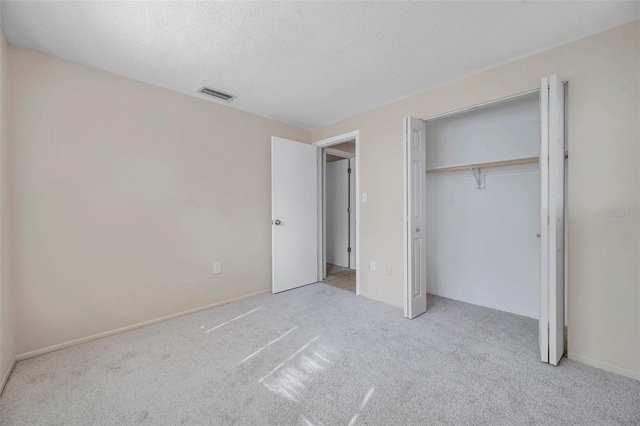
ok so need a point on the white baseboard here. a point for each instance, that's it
(6, 375)
(59, 346)
(604, 366)
(393, 303)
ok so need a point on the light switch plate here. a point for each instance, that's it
(373, 265)
(217, 268)
(364, 197)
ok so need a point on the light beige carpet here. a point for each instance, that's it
(318, 355)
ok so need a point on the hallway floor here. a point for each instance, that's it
(338, 276)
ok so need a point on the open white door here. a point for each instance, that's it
(294, 207)
(551, 323)
(415, 214)
(352, 213)
(336, 180)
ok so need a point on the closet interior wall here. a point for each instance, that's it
(481, 243)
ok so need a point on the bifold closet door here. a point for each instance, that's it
(551, 323)
(415, 218)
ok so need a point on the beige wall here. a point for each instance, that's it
(122, 197)
(604, 138)
(7, 322)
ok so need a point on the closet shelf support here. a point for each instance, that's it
(477, 168)
(480, 178)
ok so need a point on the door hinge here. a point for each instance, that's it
(349, 170)
(348, 249)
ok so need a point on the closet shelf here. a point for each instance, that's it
(476, 168)
(513, 162)
(485, 165)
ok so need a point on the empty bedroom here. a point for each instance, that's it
(319, 213)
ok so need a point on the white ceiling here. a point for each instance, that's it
(305, 63)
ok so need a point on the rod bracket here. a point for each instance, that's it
(480, 178)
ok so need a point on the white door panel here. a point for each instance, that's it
(294, 205)
(352, 215)
(556, 222)
(552, 166)
(415, 224)
(336, 214)
(543, 321)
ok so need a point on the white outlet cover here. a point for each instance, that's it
(373, 265)
(364, 197)
(217, 268)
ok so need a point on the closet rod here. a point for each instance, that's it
(490, 164)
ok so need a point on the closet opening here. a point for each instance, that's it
(483, 206)
(485, 192)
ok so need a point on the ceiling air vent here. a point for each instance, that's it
(217, 94)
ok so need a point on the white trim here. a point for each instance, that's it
(345, 137)
(6, 375)
(390, 302)
(273, 216)
(338, 153)
(543, 287)
(604, 366)
(405, 210)
(481, 105)
(322, 266)
(59, 346)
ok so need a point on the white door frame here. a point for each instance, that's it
(324, 143)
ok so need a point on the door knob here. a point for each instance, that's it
(277, 222)
(538, 235)
(417, 229)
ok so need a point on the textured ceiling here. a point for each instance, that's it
(304, 63)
